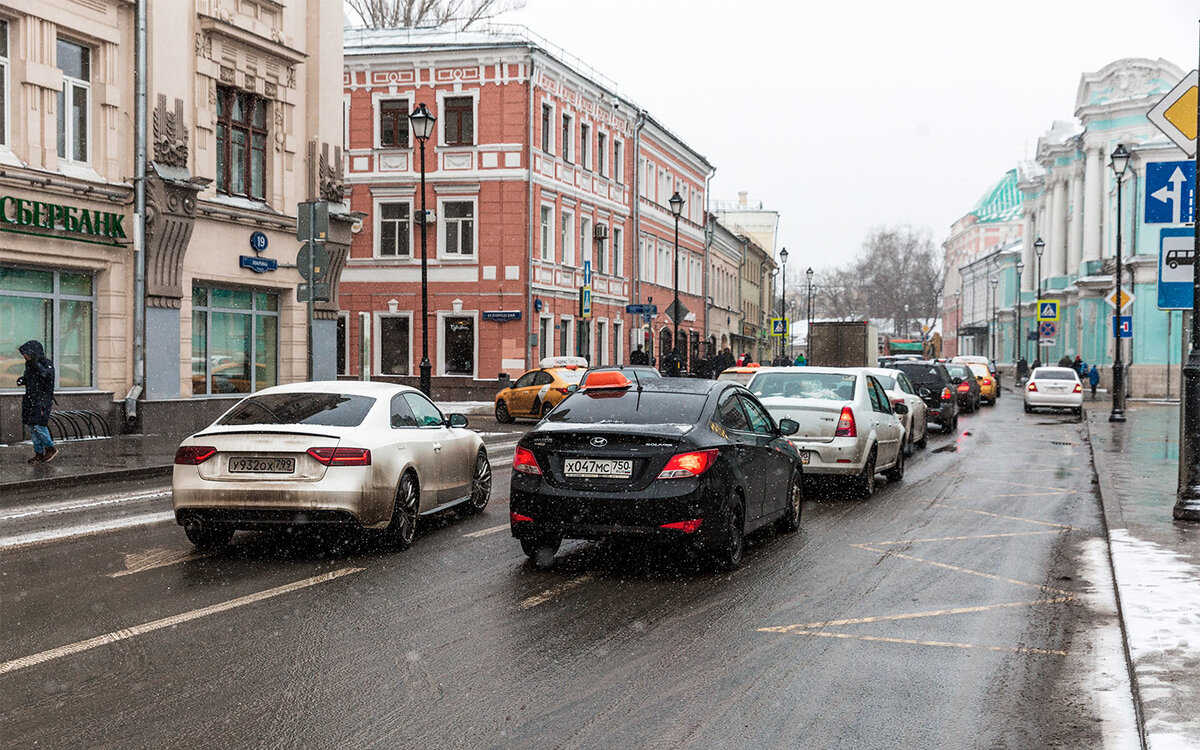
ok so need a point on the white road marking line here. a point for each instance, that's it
(139, 562)
(550, 593)
(492, 530)
(86, 529)
(167, 622)
(65, 507)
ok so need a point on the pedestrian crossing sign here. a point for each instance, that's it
(1047, 310)
(779, 326)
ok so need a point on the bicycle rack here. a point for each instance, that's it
(78, 424)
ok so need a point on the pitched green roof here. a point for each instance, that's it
(1002, 201)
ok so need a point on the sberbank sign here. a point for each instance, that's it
(25, 216)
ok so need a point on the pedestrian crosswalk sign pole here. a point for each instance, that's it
(1047, 310)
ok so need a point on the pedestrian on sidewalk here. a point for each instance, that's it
(1094, 380)
(38, 400)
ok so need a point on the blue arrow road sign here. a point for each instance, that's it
(1122, 326)
(587, 273)
(1175, 264)
(1170, 192)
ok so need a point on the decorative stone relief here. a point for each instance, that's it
(203, 46)
(331, 175)
(170, 134)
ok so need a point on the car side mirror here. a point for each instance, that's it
(457, 420)
(956, 381)
(924, 392)
(900, 409)
(788, 426)
(572, 388)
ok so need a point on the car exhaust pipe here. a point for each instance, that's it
(194, 524)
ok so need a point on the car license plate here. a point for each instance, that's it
(804, 457)
(255, 465)
(598, 467)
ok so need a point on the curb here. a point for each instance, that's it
(1107, 505)
(96, 477)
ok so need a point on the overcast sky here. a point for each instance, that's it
(846, 115)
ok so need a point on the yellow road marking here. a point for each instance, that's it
(911, 615)
(490, 530)
(942, 644)
(968, 571)
(961, 538)
(1010, 518)
(550, 593)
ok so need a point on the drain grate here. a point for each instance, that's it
(1060, 442)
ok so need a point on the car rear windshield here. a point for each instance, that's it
(570, 376)
(957, 371)
(980, 370)
(629, 407)
(324, 409)
(922, 374)
(829, 386)
(1062, 374)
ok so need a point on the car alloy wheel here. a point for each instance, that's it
(502, 414)
(864, 483)
(729, 554)
(790, 522)
(896, 473)
(481, 484)
(403, 527)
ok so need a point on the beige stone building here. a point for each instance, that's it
(243, 121)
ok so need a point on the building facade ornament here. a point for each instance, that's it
(170, 134)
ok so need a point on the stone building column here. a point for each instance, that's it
(1029, 236)
(1092, 210)
(1075, 229)
(1056, 245)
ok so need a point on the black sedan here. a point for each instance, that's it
(967, 386)
(694, 461)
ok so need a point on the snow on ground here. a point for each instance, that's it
(465, 407)
(1160, 596)
(1106, 676)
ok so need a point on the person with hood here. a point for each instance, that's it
(1094, 380)
(38, 400)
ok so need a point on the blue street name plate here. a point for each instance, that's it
(502, 315)
(258, 265)
(641, 309)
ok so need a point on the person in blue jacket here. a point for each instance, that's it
(1094, 380)
(38, 400)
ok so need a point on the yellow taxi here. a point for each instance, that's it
(989, 384)
(538, 391)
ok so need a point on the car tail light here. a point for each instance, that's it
(897, 401)
(1033, 386)
(524, 462)
(687, 527)
(341, 456)
(846, 426)
(946, 394)
(964, 387)
(1078, 388)
(693, 464)
(193, 455)
(986, 381)
(563, 391)
(518, 518)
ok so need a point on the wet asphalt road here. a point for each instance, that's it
(949, 611)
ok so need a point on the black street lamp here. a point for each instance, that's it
(783, 305)
(1038, 248)
(1019, 338)
(958, 321)
(1120, 162)
(808, 312)
(676, 202)
(992, 323)
(1187, 500)
(422, 127)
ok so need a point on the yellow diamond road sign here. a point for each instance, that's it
(1126, 298)
(1175, 115)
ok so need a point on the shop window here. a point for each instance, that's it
(458, 121)
(241, 143)
(458, 228)
(3, 83)
(56, 308)
(235, 341)
(459, 336)
(393, 123)
(394, 345)
(74, 101)
(394, 234)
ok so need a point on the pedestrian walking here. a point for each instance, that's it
(1094, 380)
(1065, 361)
(638, 357)
(1037, 362)
(1078, 366)
(38, 400)
(800, 361)
(1022, 371)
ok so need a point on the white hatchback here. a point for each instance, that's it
(849, 426)
(1054, 388)
(364, 455)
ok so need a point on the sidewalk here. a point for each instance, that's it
(118, 458)
(1156, 564)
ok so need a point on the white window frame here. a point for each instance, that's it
(602, 340)
(585, 241)
(4, 80)
(566, 237)
(602, 165)
(376, 100)
(441, 341)
(549, 342)
(443, 231)
(565, 149)
(617, 252)
(585, 150)
(377, 341)
(377, 227)
(548, 230)
(441, 121)
(567, 333)
(619, 342)
(552, 126)
(618, 158)
(600, 250)
(647, 259)
(70, 83)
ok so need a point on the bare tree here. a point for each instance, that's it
(390, 14)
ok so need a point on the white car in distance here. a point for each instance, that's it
(848, 425)
(1054, 388)
(901, 390)
(356, 454)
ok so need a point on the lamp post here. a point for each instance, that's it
(676, 202)
(992, 323)
(1019, 338)
(958, 321)
(1038, 248)
(422, 127)
(783, 305)
(808, 313)
(1187, 501)
(1119, 163)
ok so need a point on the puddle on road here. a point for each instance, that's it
(952, 448)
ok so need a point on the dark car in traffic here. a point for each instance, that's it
(633, 372)
(693, 461)
(936, 388)
(966, 385)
